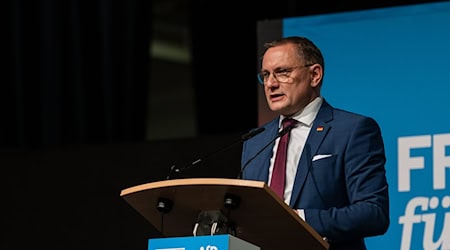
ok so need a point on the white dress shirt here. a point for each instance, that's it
(298, 136)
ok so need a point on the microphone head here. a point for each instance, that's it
(287, 129)
(252, 133)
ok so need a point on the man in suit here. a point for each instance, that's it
(335, 176)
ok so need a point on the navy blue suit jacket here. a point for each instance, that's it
(345, 194)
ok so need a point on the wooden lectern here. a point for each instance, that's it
(258, 216)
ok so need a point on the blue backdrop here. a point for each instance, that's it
(394, 64)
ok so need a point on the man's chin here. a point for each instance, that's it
(277, 108)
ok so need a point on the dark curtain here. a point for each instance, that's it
(77, 72)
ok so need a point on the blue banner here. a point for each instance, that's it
(393, 64)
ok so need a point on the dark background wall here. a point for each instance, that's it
(87, 111)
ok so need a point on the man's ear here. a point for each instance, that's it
(316, 74)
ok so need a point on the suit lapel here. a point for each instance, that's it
(317, 134)
(263, 169)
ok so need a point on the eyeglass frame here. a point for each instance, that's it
(283, 72)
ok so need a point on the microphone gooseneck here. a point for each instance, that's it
(244, 137)
(279, 134)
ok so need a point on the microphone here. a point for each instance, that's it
(252, 133)
(244, 137)
(279, 134)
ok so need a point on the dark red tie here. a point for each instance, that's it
(279, 168)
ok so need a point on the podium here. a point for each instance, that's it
(251, 210)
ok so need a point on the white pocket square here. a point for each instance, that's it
(318, 157)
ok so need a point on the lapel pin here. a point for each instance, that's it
(319, 129)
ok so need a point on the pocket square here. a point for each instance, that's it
(318, 157)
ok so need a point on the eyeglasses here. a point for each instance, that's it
(282, 75)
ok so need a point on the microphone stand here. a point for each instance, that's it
(175, 170)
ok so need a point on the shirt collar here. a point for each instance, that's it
(308, 114)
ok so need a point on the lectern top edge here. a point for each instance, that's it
(192, 181)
